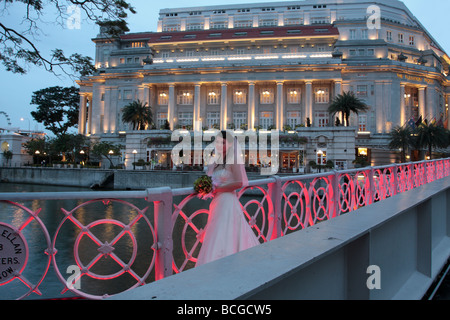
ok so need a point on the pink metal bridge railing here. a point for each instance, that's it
(173, 222)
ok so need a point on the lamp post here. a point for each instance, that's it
(111, 153)
(29, 124)
(134, 157)
(82, 155)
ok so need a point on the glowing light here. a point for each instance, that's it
(213, 59)
(266, 57)
(325, 55)
(239, 58)
(296, 56)
(188, 60)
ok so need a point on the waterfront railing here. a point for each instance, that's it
(172, 223)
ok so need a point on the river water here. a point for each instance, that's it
(52, 214)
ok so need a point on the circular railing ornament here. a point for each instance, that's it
(105, 250)
(14, 251)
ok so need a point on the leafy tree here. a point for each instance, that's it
(138, 114)
(57, 108)
(347, 103)
(36, 144)
(107, 150)
(8, 155)
(432, 136)
(401, 138)
(69, 145)
(19, 48)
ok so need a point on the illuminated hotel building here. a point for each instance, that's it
(272, 65)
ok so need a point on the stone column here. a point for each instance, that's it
(379, 107)
(224, 106)
(82, 114)
(197, 125)
(171, 107)
(309, 102)
(422, 107)
(280, 106)
(251, 106)
(110, 117)
(89, 120)
(402, 105)
(431, 104)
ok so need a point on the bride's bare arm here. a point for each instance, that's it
(235, 183)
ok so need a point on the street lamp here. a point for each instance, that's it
(134, 162)
(82, 156)
(23, 119)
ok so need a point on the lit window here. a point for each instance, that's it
(185, 97)
(362, 152)
(213, 97)
(240, 96)
(322, 157)
(293, 96)
(322, 95)
(411, 41)
(138, 44)
(267, 96)
(362, 123)
(163, 98)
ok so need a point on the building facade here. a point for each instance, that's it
(271, 66)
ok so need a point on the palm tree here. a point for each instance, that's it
(347, 103)
(400, 138)
(431, 136)
(138, 114)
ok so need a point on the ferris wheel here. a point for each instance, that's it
(7, 117)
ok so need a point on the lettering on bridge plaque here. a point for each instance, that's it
(13, 253)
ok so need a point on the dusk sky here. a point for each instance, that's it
(16, 90)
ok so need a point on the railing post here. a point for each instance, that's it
(372, 191)
(334, 194)
(162, 199)
(275, 215)
(395, 180)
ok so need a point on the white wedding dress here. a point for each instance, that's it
(227, 231)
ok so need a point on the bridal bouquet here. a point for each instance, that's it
(204, 187)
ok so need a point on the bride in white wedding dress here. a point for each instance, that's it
(227, 231)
